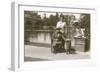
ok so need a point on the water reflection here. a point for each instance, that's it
(40, 37)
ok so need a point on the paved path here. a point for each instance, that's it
(35, 53)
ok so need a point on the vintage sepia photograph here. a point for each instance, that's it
(50, 36)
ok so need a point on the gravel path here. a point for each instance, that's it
(35, 53)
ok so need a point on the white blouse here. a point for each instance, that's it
(60, 24)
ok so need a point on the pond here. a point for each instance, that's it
(41, 36)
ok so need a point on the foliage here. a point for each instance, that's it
(33, 21)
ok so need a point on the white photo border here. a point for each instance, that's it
(17, 60)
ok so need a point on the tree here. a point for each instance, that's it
(32, 21)
(85, 23)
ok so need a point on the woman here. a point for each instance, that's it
(61, 24)
(58, 35)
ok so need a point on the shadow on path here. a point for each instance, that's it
(34, 59)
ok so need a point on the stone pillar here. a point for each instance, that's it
(67, 44)
(80, 44)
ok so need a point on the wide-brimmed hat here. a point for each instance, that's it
(76, 21)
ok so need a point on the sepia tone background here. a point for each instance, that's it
(38, 30)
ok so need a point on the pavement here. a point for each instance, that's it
(37, 53)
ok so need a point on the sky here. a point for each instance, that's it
(42, 14)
